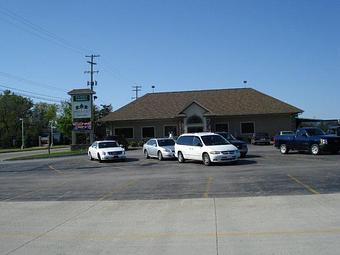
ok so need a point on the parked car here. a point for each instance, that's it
(310, 139)
(206, 147)
(240, 145)
(334, 130)
(159, 148)
(120, 140)
(286, 133)
(260, 138)
(106, 150)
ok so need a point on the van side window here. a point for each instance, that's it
(185, 140)
(196, 141)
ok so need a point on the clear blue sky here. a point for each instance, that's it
(287, 49)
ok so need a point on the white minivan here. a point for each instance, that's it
(206, 147)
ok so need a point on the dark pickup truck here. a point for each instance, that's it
(310, 139)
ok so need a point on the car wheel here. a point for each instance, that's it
(90, 156)
(181, 159)
(160, 156)
(334, 152)
(243, 155)
(206, 159)
(99, 158)
(315, 149)
(284, 149)
(146, 154)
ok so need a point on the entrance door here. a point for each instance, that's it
(195, 129)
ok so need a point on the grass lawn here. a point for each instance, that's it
(32, 148)
(52, 155)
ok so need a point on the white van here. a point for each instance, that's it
(206, 147)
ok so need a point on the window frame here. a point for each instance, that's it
(222, 123)
(154, 132)
(164, 126)
(247, 122)
(133, 132)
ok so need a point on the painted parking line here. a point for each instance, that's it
(55, 170)
(207, 189)
(310, 189)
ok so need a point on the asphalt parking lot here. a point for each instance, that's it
(264, 172)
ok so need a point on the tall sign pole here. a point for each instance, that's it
(92, 83)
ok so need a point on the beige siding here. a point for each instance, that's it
(138, 125)
(270, 124)
(263, 123)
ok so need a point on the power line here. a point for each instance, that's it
(18, 78)
(38, 30)
(51, 37)
(34, 93)
(35, 97)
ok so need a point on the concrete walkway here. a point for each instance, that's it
(307, 224)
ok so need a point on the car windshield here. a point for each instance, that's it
(314, 131)
(287, 132)
(107, 145)
(227, 136)
(261, 135)
(166, 142)
(210, 140)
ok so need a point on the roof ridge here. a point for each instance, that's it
(198, 90)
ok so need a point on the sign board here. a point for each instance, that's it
(81, 97)
(81, 109)
(81, 126)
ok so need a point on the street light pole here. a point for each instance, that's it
(22, 134)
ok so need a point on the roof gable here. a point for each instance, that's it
(191, 104)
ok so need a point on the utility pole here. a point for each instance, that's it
(22, 134)
(136, 89)
(92, 83)
(51, 123)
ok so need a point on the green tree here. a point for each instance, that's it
(100, 112)
(41, 116)
(64, 119)
(12, 108)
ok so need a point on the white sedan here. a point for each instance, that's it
(159, 148)
(106, 150)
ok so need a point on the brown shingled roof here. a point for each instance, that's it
(220, 102)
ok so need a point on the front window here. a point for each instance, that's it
(314, 131)
(222, 127)
(170, 130)
(211, 140)
(247, 128)
(107, 145)
(166, 142)
(124, 132)
(148, 132)
(194, 120)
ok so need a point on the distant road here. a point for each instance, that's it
(9, 155)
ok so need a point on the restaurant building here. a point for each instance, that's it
(241, 111)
